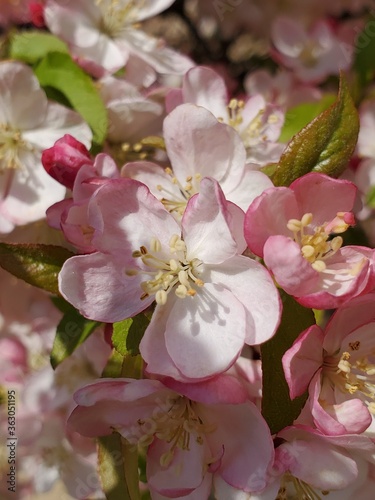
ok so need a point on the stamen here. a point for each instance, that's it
(165, 274)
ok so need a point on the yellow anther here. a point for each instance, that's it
(308, 251)
(294, 225)
(161, 297)
(319, 266)
(306, 219)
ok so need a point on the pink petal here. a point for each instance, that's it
(248, 447)
(205, 222)
(323, 196)
(183, 475)
(223, 388)
(318, 463)
(268, 215)
(303, 359)
(351, 316)
(350, 417)
(251, 283)
(204, 87)
(126, 216)
(197, 143)
(98, 286)
(291, 270)
(205, 334)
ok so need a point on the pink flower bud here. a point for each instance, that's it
(64, 160)
(36, 10)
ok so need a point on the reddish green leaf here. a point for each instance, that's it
(38, 265)
(325, 145)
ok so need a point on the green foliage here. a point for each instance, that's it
(31, 46)
(118, 468)
(71, 332)
(277, 407)
(128, 333)
(364, 61)
(370, 198)
(325, 145)
(38, 265)
(60, 72)
(299, 116)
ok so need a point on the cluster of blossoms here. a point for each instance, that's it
(198, 315)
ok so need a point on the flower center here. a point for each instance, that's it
(174, 421)
(316, 247)
(176, 201)
(117, 15)
(293, 488)
(356, 376)
(168, 272)
(256, 130)
(310, 53)
(11, 143)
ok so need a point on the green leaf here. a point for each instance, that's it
(370, 197)
(364, 61)
(128, 333)
(38, 265)
(277, 407)
(30, 46)
(118, 468)
(299, 116)
(325, 145)
(71, 332)
(60, 72)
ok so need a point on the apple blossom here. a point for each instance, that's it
(193, 431)
(291, 227)
(105, 33)
(337, 366)
(210, 299)
(69, 162)
(198, 146)
(313, 53)
(131, 115)
(310, 465)
(64, 159)
(28, 124)
(257, 122)
(282, 88)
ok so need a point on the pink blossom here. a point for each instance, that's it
(63, 160)
(199, 146)
(290, 229)
(313, 53)
(337, 366)
(69, 162)
(193, 432)
(282, 88)
(312, 464)
(210, 299)
(131, 115)
(29, 123)
(105, 33)
(257, 122)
